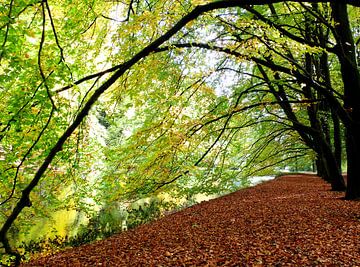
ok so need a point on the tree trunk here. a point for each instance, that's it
(325, 75)
(337, 139)
(351, 79)
(312, 136)
(321, 172)
(329, 168)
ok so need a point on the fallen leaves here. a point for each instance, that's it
(291, 221)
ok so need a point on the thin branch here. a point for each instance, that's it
(214, 143)
(273, 66)
(7, 30)
(285, 32)
(277, 163)
(62, 57)
(90, 25)
(39, 56)
(21, 11)
(89, 77)
(26, 155)
(320, 18)
(261, 104)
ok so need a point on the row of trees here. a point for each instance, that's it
(189, 95)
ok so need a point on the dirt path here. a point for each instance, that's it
(290, 221)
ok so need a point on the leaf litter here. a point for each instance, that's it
(294, 220)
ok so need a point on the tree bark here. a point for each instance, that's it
(330, 170)
(351, 79)
(337, 139)
(325, 72)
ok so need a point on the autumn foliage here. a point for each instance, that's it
(293, 220)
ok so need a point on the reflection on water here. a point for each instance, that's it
(60, 224)
(67, 222)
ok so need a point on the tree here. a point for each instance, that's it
(346, 53)
(322, 86)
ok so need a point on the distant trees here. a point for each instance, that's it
(296, 46)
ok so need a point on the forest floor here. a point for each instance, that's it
(294, 220)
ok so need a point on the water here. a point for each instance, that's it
(65, 222)
(260, 179)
